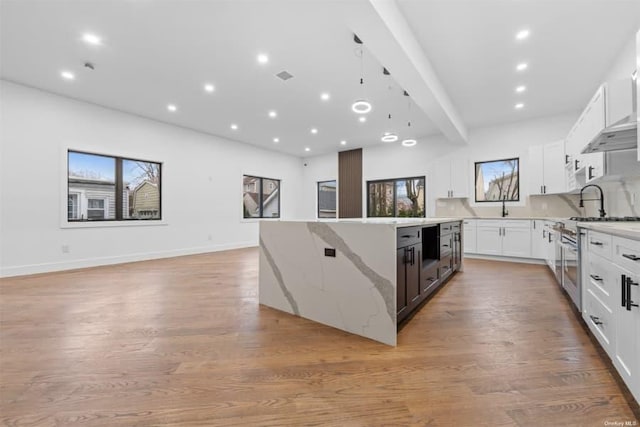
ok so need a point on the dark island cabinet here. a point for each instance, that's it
(409, 256)
(426, 257)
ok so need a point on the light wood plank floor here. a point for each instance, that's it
(184, 342)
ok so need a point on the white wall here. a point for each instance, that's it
(201, 185)
(395, 161)
(624, 63)
(314, 170)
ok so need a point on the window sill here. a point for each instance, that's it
(259, 219)
(109, 224)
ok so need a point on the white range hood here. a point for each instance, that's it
(622, 135)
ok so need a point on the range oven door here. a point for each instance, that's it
(570, 279)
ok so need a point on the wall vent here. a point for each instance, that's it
(284, 75)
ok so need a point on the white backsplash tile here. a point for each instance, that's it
(621, 198)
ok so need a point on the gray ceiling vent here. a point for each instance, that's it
(284, 75)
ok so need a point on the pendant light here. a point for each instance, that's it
(360, 106)
(388, 136)
(408, 142)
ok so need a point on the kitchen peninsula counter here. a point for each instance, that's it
(355, 275)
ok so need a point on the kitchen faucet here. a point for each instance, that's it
(602, 212)
(505, 212)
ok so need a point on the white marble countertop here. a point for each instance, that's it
(398, 222)
(542, 218)
(630, 230)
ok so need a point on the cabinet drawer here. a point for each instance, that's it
(626, 253)
(445, 267)
(599, 243)
(489, 223)
(469, 223)
(430, 280)
(446, 244)
(447, 228)
(455, 227)
(600, 320)
(600, 277)
(407, 236)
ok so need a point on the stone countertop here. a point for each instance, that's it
(542, 218)
(630, 230)
(396, 222)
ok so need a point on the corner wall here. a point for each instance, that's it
(201, 185)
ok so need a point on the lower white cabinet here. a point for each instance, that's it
(611, 300)
(504, 237)
(469, 236)
(538, 239)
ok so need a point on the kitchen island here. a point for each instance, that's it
(361, 276)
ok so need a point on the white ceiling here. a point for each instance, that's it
(161, 52)
(472, 46)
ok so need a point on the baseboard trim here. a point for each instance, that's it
(506, 259)
(23, 270)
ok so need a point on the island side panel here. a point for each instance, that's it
(353, 292)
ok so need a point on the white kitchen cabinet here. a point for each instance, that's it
(504, 238)
(469, 236)
(538, 239)
(547, 168)
(489, 239)
(452, 177)
(611, 295)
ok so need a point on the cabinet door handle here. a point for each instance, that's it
(406, 236)
(631, 257)
(544, 234)
(596, 277)
(541, 191)
(595, 320)
(590, 174)
(566, 159)
(577, 164)
(623, 289)
(593, 242)
(544, 189)
(629, 302)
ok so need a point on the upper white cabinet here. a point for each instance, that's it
(608, 105)
(452, 177)
(547, 169)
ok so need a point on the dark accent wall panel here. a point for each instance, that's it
(350, 184)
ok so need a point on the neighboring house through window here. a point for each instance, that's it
(260, 197)
(327, 199)
(100, 188)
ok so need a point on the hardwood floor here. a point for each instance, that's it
(184, 342)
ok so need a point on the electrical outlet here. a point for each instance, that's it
(66, 249)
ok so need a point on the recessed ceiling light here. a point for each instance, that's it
(362, 119)
(522, 66)
(273, 114)
(520, 89)
(67, 75)
(307, 149)
(172, 108)
(409, 142)
(263, 58)
(522, 34)
(361, 106)
(91, 39)
(325, 96)
(234, 126)
(519, 106)
(389, 137)
(343, 142)
(314, 131)
(276, 140)
(209, 87)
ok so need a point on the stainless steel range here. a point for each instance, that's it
(568, 246)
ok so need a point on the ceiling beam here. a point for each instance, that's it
(386, 33)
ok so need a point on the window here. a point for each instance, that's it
(327, 199)
(103, 187)
(96, 209)
(260, 197)
(403, 197)
(498, 180)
